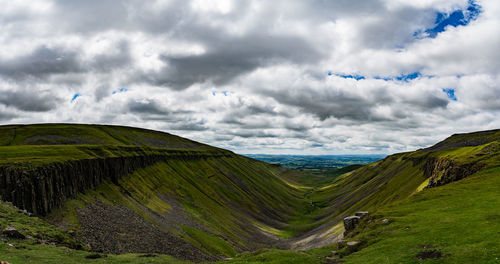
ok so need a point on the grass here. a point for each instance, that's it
(212, 192)
(209, 242)
(460, 219)
(40, 254)
(33, 156)
(276, 256)
(80, 134)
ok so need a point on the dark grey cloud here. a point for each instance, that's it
(227, 58)
(338, 105)
(119, 58)
(88, 16)
(6, 116)
(43, 61)
(146, 106)
(31, 101)
(428, 102)
(253, 134)
(102, 91)
(188, 125)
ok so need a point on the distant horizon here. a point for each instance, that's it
(315, 155)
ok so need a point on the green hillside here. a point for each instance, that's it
(428, 205)
(189, 200)
(171, 196)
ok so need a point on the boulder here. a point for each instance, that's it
(350, 222)
(12, 232)
(362, 214)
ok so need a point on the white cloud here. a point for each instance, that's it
(252, 75)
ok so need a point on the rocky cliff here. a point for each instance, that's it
(40, 189)
(441, 171)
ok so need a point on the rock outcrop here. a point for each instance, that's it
(350, 223)
(40, 189)
(441, 171)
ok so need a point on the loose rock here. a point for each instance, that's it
(12, 232)
(352, 243)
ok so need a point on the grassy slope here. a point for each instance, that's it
(35, 145)
(459, 219)
(80, 134)
(208, 196)
(230, 201)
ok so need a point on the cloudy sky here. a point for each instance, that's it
(281, 76)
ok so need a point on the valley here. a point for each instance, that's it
(129, 195)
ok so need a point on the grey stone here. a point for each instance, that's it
(362, 214)
(350, 222)
(352, 243)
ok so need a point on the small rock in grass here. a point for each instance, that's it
(362, 214)
(12, 232)
(429, 254)
(94, 256)
(352, 243)
(385, 221)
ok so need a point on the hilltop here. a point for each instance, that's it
(117, 190)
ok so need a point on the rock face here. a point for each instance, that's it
(350, 223)
(442, 171)
(38, 190)
(12, 232)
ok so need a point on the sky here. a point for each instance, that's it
(275, 77)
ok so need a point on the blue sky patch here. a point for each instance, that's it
(382, 78)
(121, 90)
(409, 76)
(75, 96)
(351, 76)
(403, 77)
(456, 18)
(225, 93)
(450, 93)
